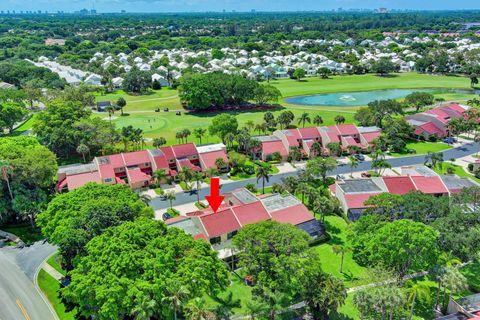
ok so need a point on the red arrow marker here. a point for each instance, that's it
(214, 199)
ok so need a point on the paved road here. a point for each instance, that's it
(19, 298)
(187, 197)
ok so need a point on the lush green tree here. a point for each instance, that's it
(319, 167)
(121, 103)
(384, 108)
(83, 150)
(339, 119)
(285, 118)
(10, 114)
(223, 124)
(298, 74)
(417, 291)
(118, 279)
(383, 66)
(158, 142)
(365, 116)
(419, 99)
(397, 132)
(262, 172)
(137, 81)
(324, 72)
(304, 118)
(341, 250)
(72, 219)
(264, 94)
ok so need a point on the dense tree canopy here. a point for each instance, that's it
(136, 268)
(73, 218)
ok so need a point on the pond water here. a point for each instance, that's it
(362, 98)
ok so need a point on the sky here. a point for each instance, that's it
(229, 5)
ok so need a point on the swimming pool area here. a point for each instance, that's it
(362, 98)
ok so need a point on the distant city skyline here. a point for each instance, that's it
(229, 5)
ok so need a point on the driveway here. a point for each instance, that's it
(19, 297)
(183, 197)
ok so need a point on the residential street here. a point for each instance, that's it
(187, 197)
(19, 298)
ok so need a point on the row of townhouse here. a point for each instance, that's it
(434, 122)
(240, 208)
(347, 135)
(353, 193)
(136, 168)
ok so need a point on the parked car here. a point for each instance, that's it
(450, 140)
(359, 157)
(166, 216)
(365, 175)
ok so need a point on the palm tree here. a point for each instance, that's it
(295, 154)
(255, 308)
(199, 133)
(159, 175)
(380, 165)
(304, 118)
(259, 128)
(228, 139)
(341, 249)
(83, 150)
(170, 195)
(6, 169)
(186, 174)
(145, 198)
(186, 133)
(254, 145)
(434, 158)
(145, 309)
(179, 136)
(353, 164)
(335, 148)
(121, 103)
(317, 120)
(417, 290)
(176, 296)
(323, 206)
(111, 111)
(196, 309)
(339, 119)
(454, 281)
(211, 172)
(263, 172)
(198, 177)
(220, 163)
(158, 142)
(250, 125)
(315, 149)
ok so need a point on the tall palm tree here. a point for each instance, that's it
(145, 309)
(353, 164)
(159, 175)
(254, 145)
(197, 178)
(228, 140)
(316, 149)
(323, 205)
(250, 125)
(341, 249)
(186, 133)
(435, 158)
(302, 188)
(454, 281)
(176, 296)
(317, 120)
(170, 195)
(255, 308)
(339, 119)
(417, 291)
(179, 135)
(83, 150)
(196, 309)
(145, 198)
(263, 173)
(111, 111)
(199, 133)
(304, 118)
(211, 172)
(6, 169)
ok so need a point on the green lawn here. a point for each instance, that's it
(164, 98)
(243, 176)
(458, 170)
(25, 232)
(50, 288)
(422, 147)
(54, 262)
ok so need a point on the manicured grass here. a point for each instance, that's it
(458, 170)
(50, 288)
(422, 147)
(164, 98)
(353, 274)
(25, 232)
(243, 176)
(26, 125)
(348, 83)
(54, 262)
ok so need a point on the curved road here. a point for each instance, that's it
(187, 197)
(19, 297)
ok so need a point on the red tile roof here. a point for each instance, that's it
(309, 133)
(429, 185)
(399, 185)
(332, 133)
(186, 163)
(439, 114)
(200, 236)
(292, 136)
(168, 151)
(184, 150)
(116, 160)
(347, 129)
(357, 201)
(209, 158)
(429, 128)
(136, 158)
(78, 180)
(160, 162)
(350, 141)
(251, 213)
(106, 171)
(458, 109)
(175, 219)
(136, 175)
(292, 215)
(271, 147)
(219, 223)
(370, 136)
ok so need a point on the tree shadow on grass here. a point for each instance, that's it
(209, 114)
(386, 76)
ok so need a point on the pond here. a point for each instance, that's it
(362, 98)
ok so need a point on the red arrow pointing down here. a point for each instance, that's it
(214, 199)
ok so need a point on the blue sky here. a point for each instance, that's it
(239, 5)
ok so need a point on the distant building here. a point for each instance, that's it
(53, 42)
(5, 85)
(102, 105)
